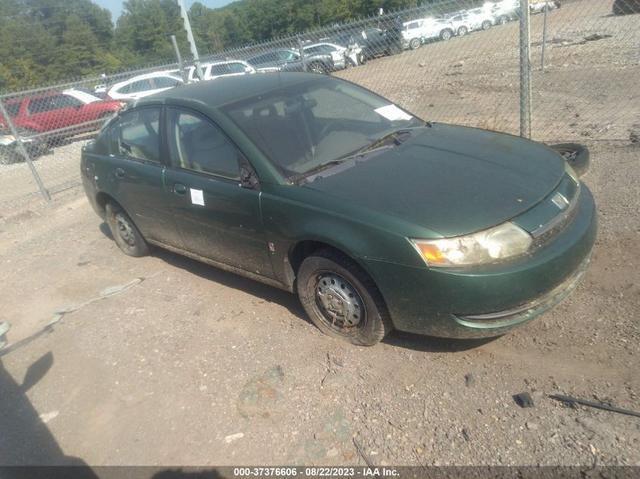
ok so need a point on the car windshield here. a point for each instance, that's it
(300, 128)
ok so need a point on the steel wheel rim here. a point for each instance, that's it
(125, 230)
(340, 305)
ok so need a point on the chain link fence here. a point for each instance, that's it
(454, 61)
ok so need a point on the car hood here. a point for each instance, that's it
(452, 180)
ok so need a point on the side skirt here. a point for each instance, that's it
(225, 267)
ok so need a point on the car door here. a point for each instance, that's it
(50, 113)
(136, 176)
(217, 218)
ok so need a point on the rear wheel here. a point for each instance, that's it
(503, 20)
(414, 43)
(486, 25)
(341, 299)
(446, 34)
(124, 231)
(462, 31)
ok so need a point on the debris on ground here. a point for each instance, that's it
(233, 437)
(598, 405)
(523, 399)
(260, 396)
(469, 380)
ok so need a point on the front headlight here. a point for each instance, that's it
(488, 246)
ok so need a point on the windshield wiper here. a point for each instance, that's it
(395, 137)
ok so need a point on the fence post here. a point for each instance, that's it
(544, 36)
(183, 74)
(192, 42)
(525, 71)
(23, 151)
(302, 55)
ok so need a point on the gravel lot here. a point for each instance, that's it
(186, 364)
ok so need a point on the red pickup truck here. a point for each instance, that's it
(61, 114)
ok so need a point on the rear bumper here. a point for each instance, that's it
(489, 301)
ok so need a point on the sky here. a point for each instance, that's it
(116, 5)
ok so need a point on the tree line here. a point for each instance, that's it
(45, 41)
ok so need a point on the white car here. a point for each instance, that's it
(416, 32)
(337, 52)
(211, 71)
(538, 7)
(504, 10)
(144, 85)
(480, 18)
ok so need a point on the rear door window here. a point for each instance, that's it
(135, 134)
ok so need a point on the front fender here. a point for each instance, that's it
(288, 221)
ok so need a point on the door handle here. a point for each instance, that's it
(179, 189)
(120, 173)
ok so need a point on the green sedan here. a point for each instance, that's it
(375, 218)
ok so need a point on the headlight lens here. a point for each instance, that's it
(488, 246)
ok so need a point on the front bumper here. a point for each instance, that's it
(490, 300)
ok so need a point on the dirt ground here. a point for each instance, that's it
(164, 361)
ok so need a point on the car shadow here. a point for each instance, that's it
(290, 301)
(431, 344)
(231, 280)
(25, 439)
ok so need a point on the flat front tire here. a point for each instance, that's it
(124, 232)
(341, 299)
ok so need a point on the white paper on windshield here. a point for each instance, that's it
(197, 198)
(392, 113)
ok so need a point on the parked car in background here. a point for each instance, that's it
(338, 53)
(459, 23)
(538, 7)
(59, 114)
(375, 218)
(349, 40)
(481, 18)
(626, 7)
(211, 71)
(144, 85)
(417, 32)
(504, 11)
(377, 42)
(290, 60)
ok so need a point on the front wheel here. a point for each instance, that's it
(341, 299)
(124, 232)
(414, 43)
(319, 68)
(446, 34)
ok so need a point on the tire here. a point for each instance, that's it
(446, 34)
(125, 233)
(462, 31)
(503, 20)
(341, 299)
(414, 43)
(319, 68)
(486, 25)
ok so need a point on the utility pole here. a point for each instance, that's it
(525, 71)
(190, 39)
(183, 74)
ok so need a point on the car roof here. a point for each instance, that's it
(227, 90)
